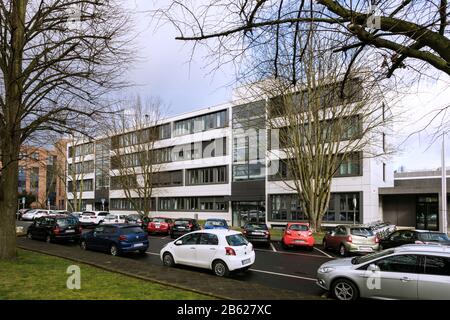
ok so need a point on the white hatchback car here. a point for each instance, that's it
(115, 218)
(220, 250)
(36, 213)
(92, 217)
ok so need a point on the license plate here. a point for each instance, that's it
(157, 225)
(246, 261)
(365, 248)
(258, 233)
(70, 231)
(138, 245)
(180, 228)
(299, 241)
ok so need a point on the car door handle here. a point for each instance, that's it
(212, 248)
(192, 248)
(405, 279)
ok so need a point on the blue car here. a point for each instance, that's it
(115, 239)
(216, 224)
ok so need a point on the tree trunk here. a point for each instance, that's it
(8, 197)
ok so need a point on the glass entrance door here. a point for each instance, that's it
(427, 213)
(248, 211)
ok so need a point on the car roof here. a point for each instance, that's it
(218, 231)
(423, 248)
(427, 231)
(215, 219)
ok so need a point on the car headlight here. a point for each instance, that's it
(325, 269)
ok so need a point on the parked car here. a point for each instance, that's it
(160, 225)
(135, 219)
(183, 226)
(216, 224)
(402, 237)
(55, 228)
(90, 218)
(76, 214)
(408, 272)
(298, 234)
(35, 213)
(257, 233)
(382, 229)
(114, 218)
(219, 250)
(21, 212)
(60, 212)
(351, 239)
(115, 239)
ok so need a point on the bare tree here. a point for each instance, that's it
(321, 127)
(134, 160)
(399, 31)
(59, 58)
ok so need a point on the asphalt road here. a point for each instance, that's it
(290, 269)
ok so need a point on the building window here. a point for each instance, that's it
(167, 179)
(127, 204)
(217, 204)
(213, 175)
(22, 180)
(87, 185)
(201, 123)
(350, 166)
(34, 181)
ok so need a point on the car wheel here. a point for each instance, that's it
(113, 250)
(48, 238)
(324, 244)
(83, 245)
(343, 251)
(343, 289)
(29, 235)
(220, 269)
(168, 260)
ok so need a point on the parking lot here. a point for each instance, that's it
(288, 269)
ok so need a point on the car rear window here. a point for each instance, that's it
(130, 230)
(256, 227)
(216, 223)
(103, 213)
(181, 222)
(433, 236)
(65, 222)
(236, 240)
(299, 227)
(361, 232)
(88, 214)
(159, 220)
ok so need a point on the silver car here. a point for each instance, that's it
(406, 272)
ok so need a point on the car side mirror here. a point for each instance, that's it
(372, 267)
(178, 243)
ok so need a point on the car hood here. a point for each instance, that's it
(340, 263)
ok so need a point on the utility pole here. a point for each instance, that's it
(443, 189)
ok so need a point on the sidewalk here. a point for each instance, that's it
(221, 288)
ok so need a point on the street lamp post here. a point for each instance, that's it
(355, 202)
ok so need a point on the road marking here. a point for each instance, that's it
(293, 253)
(153, 253)
(273, 247)
(283, 275)
(164, 237)
(329, 256)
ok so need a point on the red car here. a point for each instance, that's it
(298, 234)
(160, 225)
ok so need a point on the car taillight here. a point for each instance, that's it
(122, 238)
(244, 232)
(349, 239)
(56, 230)
(190, 226)
(229, 251)
(309, 233)
(418, 242)
(288, 232)
(377, 240)
(80, 229)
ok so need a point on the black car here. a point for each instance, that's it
(402, 237)
(115, 239)
(182, 226)
(257, 233)
(55, 228)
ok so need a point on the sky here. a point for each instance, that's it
(166, 69)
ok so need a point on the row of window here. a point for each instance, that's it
(81, 167)
(287, 207)
(201, 123)
(350, 166)
(211, 175)
(193, 204)
(81, 150)
(126, 204)
(152, 134)
(85, 185)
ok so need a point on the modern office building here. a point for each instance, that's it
(211, 167)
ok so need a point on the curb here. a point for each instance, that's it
(128, 274)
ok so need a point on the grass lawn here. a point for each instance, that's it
(38, 276)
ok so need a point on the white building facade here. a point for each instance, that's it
(213, 169)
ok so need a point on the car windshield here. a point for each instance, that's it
(103, 213)
(433, 236)
(236, 240)
(130, 230)
(111, 217)
(256, 227)
(215, 223)
(181, 222)
(299, 227)
(65, 222)
(371, 256)
(133, 217)
(361, 232)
